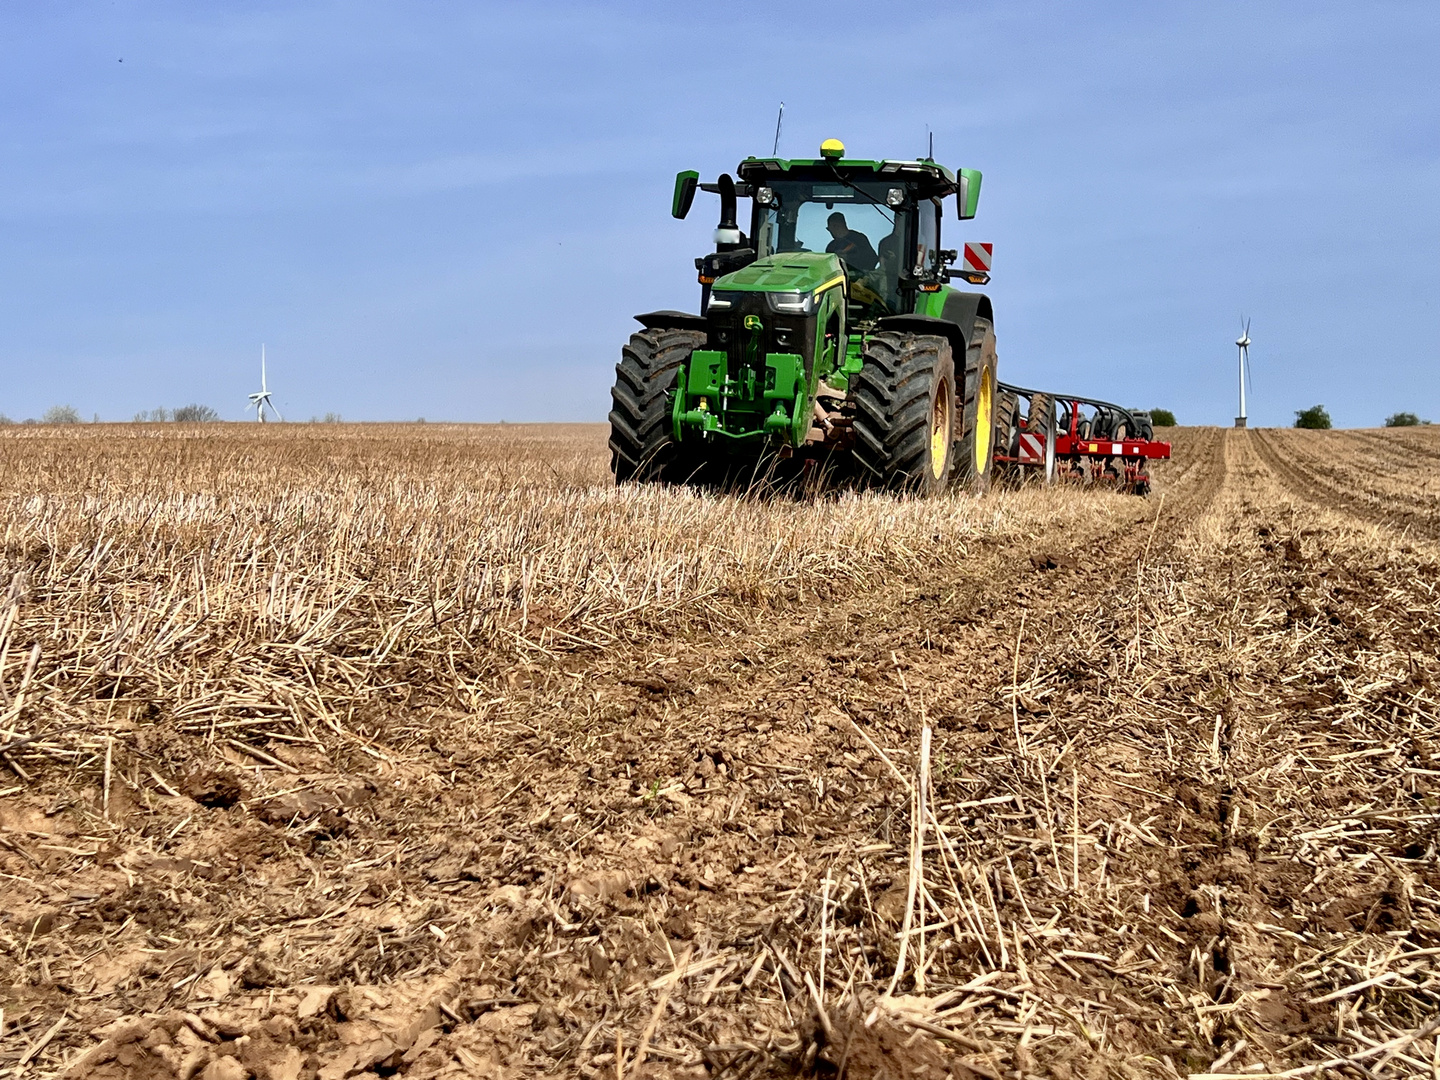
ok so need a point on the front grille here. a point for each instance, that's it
(783, 333)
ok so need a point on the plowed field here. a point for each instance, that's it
(423, 751)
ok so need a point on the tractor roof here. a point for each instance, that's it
(930, 178)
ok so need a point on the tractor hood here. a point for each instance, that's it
(797, 271)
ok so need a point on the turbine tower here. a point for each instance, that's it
(1243, 344)
(259, 402)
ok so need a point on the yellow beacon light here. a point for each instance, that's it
(832, 148)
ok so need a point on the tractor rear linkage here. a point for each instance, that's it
(1052, 433)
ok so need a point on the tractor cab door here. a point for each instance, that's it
(927, 239)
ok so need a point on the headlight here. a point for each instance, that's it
(895, 196)
(720, 301)
(791, 303)
(766, 196)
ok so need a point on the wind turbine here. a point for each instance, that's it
(1243, 344)
(259, 401)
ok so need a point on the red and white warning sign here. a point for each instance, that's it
(1032, 448)
(977, 258)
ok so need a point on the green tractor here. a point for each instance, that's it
(827, 334)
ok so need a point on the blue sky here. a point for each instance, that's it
(451, 210)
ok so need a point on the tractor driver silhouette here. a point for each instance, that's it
(850, 244)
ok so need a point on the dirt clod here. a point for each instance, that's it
(212, 788)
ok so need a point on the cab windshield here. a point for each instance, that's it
(851, 221)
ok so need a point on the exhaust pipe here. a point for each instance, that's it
(727, 233)
(728, 238)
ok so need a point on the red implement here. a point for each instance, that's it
(1063, 437)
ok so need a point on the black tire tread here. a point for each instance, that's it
(1038, 418)
(642, 446)
(1007, 407)
(891, 394)
(965, 448)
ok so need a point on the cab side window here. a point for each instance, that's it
(927, 237)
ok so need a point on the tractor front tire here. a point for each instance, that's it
(642, 446)
(906, 412)
(975, 454)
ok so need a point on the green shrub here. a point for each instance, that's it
(1162, 418)
(1315, 418)
(1403, 419)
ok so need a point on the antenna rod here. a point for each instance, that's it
(776, 149)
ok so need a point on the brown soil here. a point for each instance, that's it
(395, 751)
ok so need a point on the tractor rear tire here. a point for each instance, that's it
(906, 412)
(1042, 419)
(642, 445)
(1007, 432)
(1007, 428)
(1042, 412)
(975, 454)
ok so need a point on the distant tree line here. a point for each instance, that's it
(68, 414)
(185, 414)
(56, 414)
(193, 413)
(1317, 418)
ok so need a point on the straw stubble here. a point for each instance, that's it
(436, 731)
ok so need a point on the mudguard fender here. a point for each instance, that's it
(671, 320)
(964, 308)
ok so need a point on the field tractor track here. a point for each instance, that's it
(1404, 448)
(1309, 484)
(1369, 463)
(780, 706)
(1251, 596)
(1204, 457)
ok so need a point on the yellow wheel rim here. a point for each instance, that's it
(940, 430)
(984, 420)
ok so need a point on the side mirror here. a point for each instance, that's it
(685, 184)
(967, 199)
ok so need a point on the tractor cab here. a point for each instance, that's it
(882, 218)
